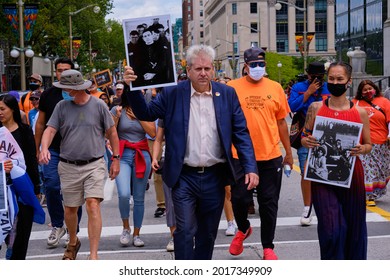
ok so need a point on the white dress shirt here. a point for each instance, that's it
(203, 143)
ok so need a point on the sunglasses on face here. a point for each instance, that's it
(256, 63)
(34, 99)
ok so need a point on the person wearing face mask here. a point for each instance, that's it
(77, 116)
(376, 164)
(35, 83)
(265, 107)
(341, 212)
(302, 94)
(47, 102)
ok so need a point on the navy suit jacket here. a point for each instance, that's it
(173, 106)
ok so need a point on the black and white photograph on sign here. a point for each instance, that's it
(331, 162)
(3, 189)
(103, 78)
(149, 51)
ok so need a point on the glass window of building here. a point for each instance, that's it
(299, 3)
(356, 22)
(253, 8)
(320, 6)
(321, 44)
(254, 27)
(201, 13)
(341, 6)
(235, 47)
(234, 8)
(374, 17)
(356, 3)
(282, 28)
(234, 28)
(282, 45)
(320, 25)
(255, 44)
(201, 34)
(342, 25)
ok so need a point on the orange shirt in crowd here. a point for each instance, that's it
(263, 104)
(378, 121)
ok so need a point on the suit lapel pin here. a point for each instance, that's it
(217, 94)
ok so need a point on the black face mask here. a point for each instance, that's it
(33, 86)
(337, 89)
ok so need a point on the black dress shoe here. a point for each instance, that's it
(160, 212)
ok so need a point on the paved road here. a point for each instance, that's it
(292, 241)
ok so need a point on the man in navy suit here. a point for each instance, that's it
(202, 120)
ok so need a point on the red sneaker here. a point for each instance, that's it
(236, 247)
(269, 254)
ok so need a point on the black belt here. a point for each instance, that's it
(80, 162)
(201, 169)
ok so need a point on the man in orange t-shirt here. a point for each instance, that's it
(265, 107)
(93, 89)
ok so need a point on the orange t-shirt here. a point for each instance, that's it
(26, 106)
(378, 121)
(263, 104)
(97, 93)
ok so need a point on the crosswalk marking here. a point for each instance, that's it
(162, 228)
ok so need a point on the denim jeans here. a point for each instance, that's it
(302, 157)
(53, 190)
(126, 180)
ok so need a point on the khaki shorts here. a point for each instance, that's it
(81, 182)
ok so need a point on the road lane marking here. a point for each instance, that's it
(162, 228)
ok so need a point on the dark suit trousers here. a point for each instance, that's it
(198, 200)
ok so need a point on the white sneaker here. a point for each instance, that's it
(125, 237)
(170, 246)
(306, 216)
(66, 240)
(137, 241)
(231, 229)
(55, 235)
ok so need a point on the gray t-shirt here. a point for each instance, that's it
(82, 128)
(130, 130)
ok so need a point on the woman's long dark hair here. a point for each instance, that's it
(11, 102)
(359, 93)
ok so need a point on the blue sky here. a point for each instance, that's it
(125, 9)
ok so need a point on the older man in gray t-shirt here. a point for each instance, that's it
(83, 121)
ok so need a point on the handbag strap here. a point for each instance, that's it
(376, 107)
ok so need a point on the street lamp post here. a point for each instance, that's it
(279, 68)
(22, 51)
(96, 9)
(109, 29)
(234, 62)
(278, 6)
(252, 29)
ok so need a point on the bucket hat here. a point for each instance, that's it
(72, 79)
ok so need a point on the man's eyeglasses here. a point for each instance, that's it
(34, 99)
(256, 63)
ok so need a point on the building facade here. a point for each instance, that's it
(231, 26)
(360, 23)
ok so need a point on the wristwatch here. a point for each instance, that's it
(116, 157)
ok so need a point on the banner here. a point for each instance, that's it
(76, 44)
(30, 18)
(299, 38)
(11, 13)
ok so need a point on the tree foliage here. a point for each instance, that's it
(51, 32)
